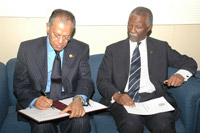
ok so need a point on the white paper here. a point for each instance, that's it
(52, 114)
(154, 106)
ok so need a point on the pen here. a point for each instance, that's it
(44, 94)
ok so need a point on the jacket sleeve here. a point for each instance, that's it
(22, 84)
(179, 61)
(104, 79)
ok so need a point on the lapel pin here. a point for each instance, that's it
(71, 56)
(151, 52)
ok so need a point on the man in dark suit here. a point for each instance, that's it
(34, 70)
(153, 60)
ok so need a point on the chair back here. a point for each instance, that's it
(95, 61)
(10, 66)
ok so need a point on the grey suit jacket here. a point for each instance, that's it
(114, 69)
(30, 75)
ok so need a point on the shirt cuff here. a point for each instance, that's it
(185, 73)
(112, 99)
(84, 98)
(31, 105)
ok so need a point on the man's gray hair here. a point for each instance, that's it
(143, 11)
(64, 15)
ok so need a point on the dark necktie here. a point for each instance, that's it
(134, 75)
(56, 78)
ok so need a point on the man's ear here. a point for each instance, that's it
(47, 26)
(149, 28)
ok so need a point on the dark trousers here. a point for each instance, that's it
(73, 125)
(130, 123)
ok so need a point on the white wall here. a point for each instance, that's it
(106, 12)
(183, 38)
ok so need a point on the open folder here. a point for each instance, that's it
(54, 113)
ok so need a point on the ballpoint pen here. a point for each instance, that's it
(44, 94)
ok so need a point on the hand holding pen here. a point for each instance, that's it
(43, 102)
(44, 94)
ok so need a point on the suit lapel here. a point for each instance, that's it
(123, 62)
(68, 58)
(150, 55)
(41, 60)
(126, 57)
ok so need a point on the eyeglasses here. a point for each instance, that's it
(58, 37)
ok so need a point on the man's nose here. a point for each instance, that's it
(133, 29)
(60, 39)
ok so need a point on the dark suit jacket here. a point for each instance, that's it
(30, 75)
(114, 69)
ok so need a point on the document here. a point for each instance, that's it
(154, 106)
(54, 113)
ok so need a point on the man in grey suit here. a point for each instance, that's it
(33, 74)
(154, 58)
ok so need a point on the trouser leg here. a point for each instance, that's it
(44, 127)
(126, 123)
(160, 123)
(75, 125)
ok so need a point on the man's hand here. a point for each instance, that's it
(123, 99)
(76, 109)
(43, 103)
(175, 80)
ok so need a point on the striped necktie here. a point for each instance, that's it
(134, 75)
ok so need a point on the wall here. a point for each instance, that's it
(183, 38)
